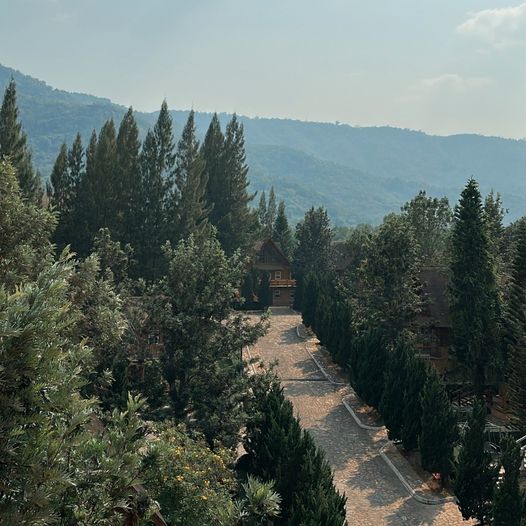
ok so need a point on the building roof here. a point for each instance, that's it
(259, 245)
(434, 291)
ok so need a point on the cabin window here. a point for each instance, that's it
(277, 274)
(277, 293)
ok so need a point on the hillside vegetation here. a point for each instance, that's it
(308, 163)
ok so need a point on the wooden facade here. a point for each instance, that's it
(270, 258)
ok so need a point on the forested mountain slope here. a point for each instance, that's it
(359, 174)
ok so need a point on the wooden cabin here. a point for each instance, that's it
(433, 324)
(270, 258)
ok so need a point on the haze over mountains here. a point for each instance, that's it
(359, 174)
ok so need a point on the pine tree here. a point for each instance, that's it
(439, 428)
(271, 214)
(188, 205)
(237, 229)
(213, 155)
(282, 231)
(396, 379)
(508, 498)
(475, 476)
(63, 189)
(474, 301)
(262, 215)
(127, 180)
(13, 144)
(412, 402)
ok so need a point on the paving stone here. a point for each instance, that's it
(375, 497)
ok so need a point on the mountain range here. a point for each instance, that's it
(358, 173)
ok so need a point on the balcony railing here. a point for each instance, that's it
(282, 283)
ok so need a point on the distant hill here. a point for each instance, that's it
(359, 174)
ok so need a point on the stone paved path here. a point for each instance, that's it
(375, 497)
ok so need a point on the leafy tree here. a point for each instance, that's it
(203, 341)
(25, 232)
(508, 498)
(191, 483)
(474, 303)
(396, 380)
(475, 476)
(412, 402)
(439, 428)
(39, 395)
(13, 145)
(282, 231)
(387, 295)
(189, 208)
(429, 219)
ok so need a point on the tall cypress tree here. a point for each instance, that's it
(57, 189)
(262, 215)
(508, 499)
(13, 144)
(439, 428)
(188, 206)
(474, 301)
(396, 379)
(412, 402)
(282, 231)
(475, 476)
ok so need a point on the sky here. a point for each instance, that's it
(444, 67)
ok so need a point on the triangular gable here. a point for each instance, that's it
(261, 245)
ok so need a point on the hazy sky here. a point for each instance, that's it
(442, 66)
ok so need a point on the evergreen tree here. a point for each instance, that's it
(188, 206)
(508, 498)
(271, 214)
(282, 231)
(475, 476)
(312, 252)
(262, 216)
(62, 191)
(237, 228)
(13, 145)
(474, 301)
(396, 380)
(412, 402)
(264, 292)
(128, 181)
(213, 155)
(280, 451)
(515, 334)
(439, 428)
